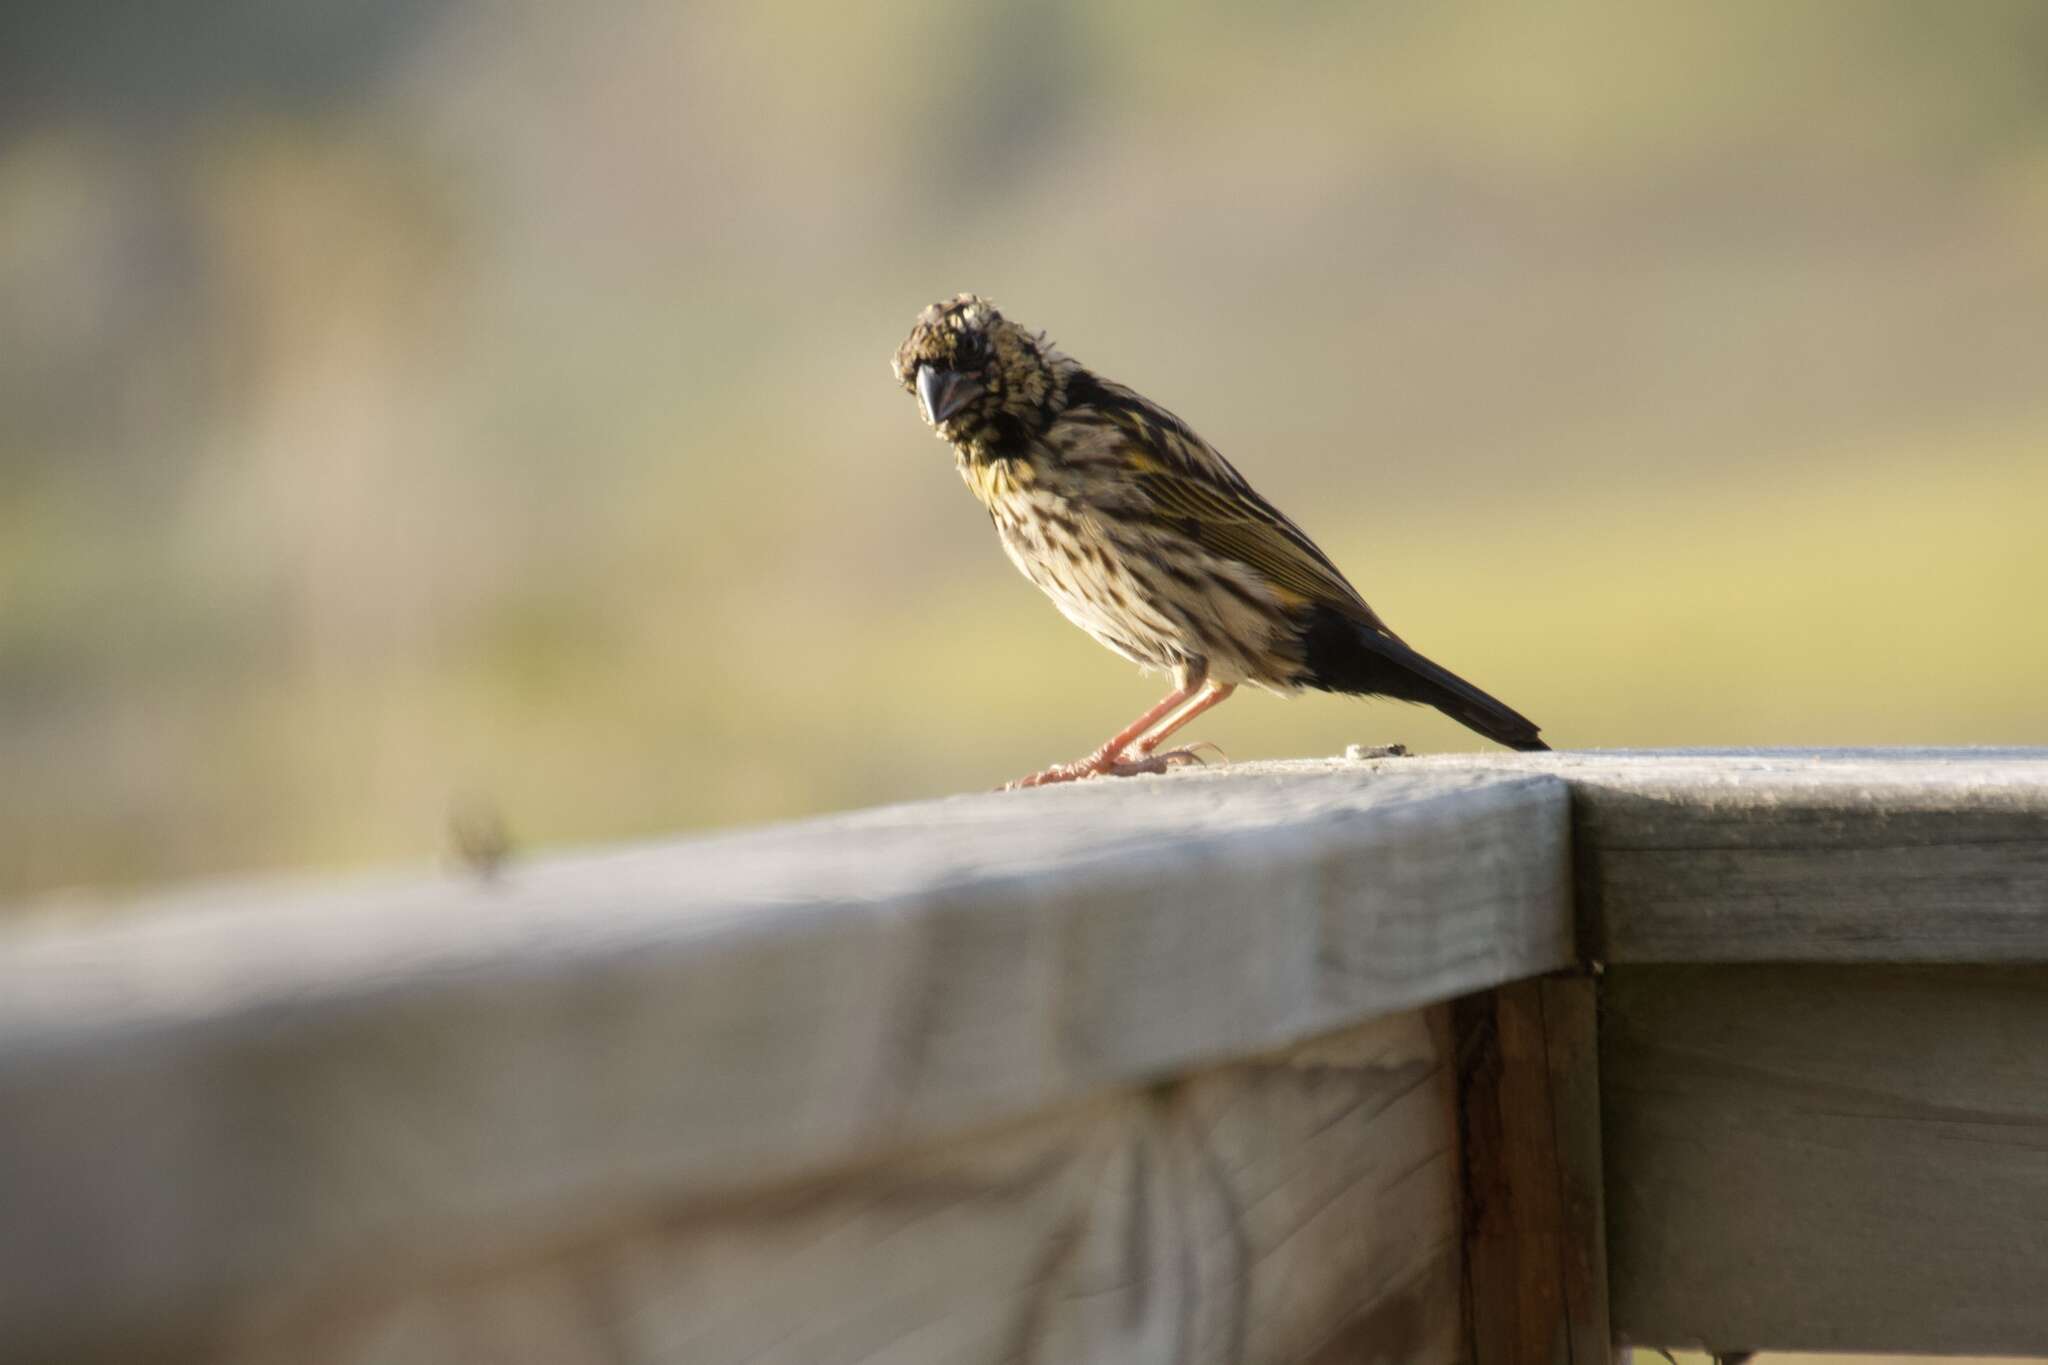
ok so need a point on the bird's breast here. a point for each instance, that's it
(1143, 592)
(1065, 550)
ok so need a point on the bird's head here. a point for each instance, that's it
(980, 380)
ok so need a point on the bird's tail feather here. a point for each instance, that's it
(1345, 655)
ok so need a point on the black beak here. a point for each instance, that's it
(944, 392)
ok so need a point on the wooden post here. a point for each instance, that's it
(1529, 1120)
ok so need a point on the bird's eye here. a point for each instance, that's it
(971, 353)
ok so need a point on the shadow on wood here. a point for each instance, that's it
(1529, 1121)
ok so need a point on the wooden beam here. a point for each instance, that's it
(1893, 855)
(1535, 1255)
(1828, 1158)
(229, 1090)
(1297, 1208)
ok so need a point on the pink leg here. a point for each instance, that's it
(1217, 694)
(1105, 758)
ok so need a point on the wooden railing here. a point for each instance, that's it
(1501, 1059)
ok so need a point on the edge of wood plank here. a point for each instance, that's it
(270, 1083)
(1829, 855)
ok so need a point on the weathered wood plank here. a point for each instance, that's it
(1535, 1258)
(1893, 855)
(239, 1089)
(1828, 1158)
(1571, 1036)
(1298, 1208)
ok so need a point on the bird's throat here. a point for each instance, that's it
(992, 477)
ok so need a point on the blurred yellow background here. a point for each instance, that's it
(405, 404)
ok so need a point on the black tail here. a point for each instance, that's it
(1344, 655)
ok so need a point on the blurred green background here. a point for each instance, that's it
(414, 403)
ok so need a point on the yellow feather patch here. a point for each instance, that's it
(1138, 461)
(993, 480)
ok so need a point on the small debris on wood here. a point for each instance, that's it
(1358, 752)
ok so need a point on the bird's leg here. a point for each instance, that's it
(1105, 759)
(1215, 695)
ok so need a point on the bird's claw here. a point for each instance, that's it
(1189, 753)
(1147, 763)
(1058, 772)
(1118, 767)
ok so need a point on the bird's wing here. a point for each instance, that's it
(1186, 483)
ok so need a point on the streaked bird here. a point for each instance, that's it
(1145, 537)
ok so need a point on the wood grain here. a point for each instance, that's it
(1894, 855)
(1301, 1208)
(1828, 1158)
(234, 1089)
(1571, 1037)
(1529, 1117)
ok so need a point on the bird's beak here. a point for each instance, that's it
(944, 392)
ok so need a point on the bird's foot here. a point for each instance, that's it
(1161, 762)
(1102, 760)
(1186, 754)
(1079, 771)
(1101, 765)
(1058, 772)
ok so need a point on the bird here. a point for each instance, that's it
(1144, 536)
